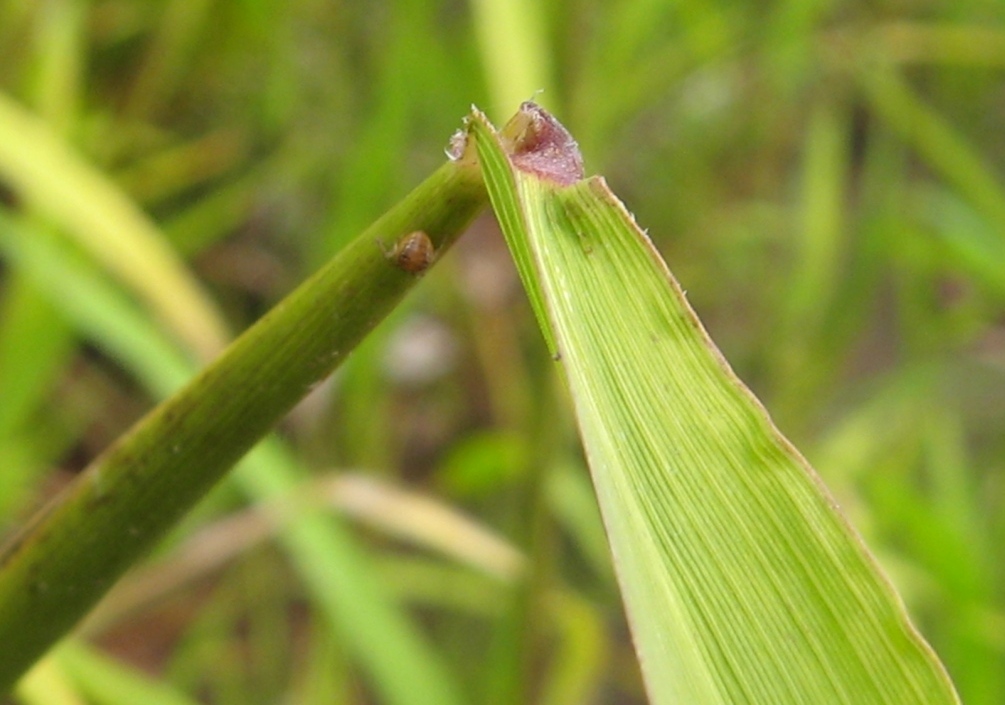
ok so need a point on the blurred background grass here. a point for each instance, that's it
(825, 179)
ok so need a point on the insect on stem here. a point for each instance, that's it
(412, 253)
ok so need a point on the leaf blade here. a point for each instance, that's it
(741, 580)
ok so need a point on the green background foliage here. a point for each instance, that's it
(824, 179)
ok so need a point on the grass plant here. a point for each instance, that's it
(824, 179)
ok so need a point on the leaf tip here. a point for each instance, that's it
(539, 144)
(459, 148)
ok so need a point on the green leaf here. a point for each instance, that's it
(80, 199)
(106, 681)
(742, 581)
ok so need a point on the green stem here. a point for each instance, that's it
(130, 496)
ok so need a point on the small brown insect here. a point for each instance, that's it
(412, 253)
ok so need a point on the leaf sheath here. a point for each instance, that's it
(68, 556)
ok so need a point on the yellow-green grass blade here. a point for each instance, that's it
(742, 581)
(66, 189)
(513, 45)
(71, 553)
(105, 680)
